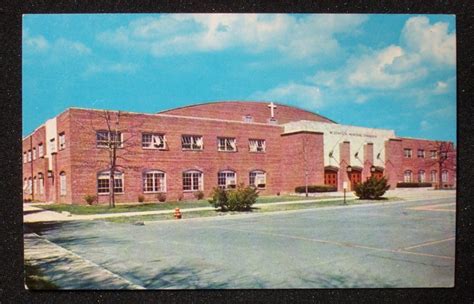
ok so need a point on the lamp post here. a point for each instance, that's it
(344, 184)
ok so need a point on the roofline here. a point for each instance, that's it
(44, 123)
(248, 101)
(424, 139)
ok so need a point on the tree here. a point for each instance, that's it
(372, 188)
(444, 158)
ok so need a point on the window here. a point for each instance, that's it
(434, 176)
(407, 153)
(154, 181)
(52, 145)
(191, 142)
(421, 153)
(226, 179)
(106, 139)
(29, 185)
(62, 183)
(258, 179)
(40, 150)
(62, 141)
(103, 182)
(29, 155)
(421, 176)
(407, 176)
(153, 141)
(35, 184)
(444, 176)
(433, 154)
(34, 153)
(25, 186)
(443, 155)
(248, 118)
(192, 180)
(41, 183)
(25, 159)
(226, 144)
(257, 145)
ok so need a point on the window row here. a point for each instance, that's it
(30, 155)
(420, 154)
(408, 176)
(154, 181)
(106, 139)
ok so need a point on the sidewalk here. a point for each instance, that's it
(67, 270)
(36, 214)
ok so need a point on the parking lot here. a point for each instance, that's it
(407, 244)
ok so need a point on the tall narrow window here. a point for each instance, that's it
(103, 182)
(35, 185)
(34, 153)
(25, 158)
(29, 155)
(40, 150)
(407, 153)
(226, 144)
(226, 179)
(62, 141)
(30, 185)
(258, 179)
(192, 180)
(41, 183)
(62, 183)
(421, 176)
(153, 141)
(52, 145)
(191, 142)
(434, 177)
(257, 145)
(407, 176)
(444, 176)
(154, 181)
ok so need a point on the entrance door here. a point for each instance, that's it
(330, 178)
(355, 177)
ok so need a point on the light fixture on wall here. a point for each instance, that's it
(372, 168)
(349, 169)
(50, 173)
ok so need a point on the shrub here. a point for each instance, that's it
(240, 199)
(373, 188)
(90, 199)
(413, 185)
(161, 197)
(199, 195)
(141, 198)
(316, 188)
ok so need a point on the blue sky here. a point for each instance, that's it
(382, 71)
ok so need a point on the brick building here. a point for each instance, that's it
(196, 148)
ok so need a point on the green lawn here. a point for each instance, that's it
(261, 209)
(100, 209)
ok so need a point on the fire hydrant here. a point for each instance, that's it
(177, 213)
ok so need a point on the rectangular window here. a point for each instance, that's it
(191, 142)
(62, 184)
(433, 176)
(41, 185)
(106, 139)
(52, 145)
(103, 183)
(257, 145)
(29, 155)
(25, 158)
(226, 144)
(258, 179)
(154, 182)
(444, 176)
(29, 187)
(407, 153)
(443, 155)
(192, 181)
(421, 176)
(62, 141)
(407, 177)
(34, 153)
(226, 180)
(421, 153)
(153, 141)
(248, 118)
(433, 154)
(40, 150)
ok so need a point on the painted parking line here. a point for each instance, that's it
(341, 244)
(428, 243)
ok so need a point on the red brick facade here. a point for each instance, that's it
(288, 159)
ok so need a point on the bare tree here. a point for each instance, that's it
(444, 158)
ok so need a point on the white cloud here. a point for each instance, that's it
(431, 41)
(60, 46)
(296, 36)
(111, 68)
(298, 94)
(441, 87)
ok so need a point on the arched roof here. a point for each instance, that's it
(237, 110)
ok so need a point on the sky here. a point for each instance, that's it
(378, 71)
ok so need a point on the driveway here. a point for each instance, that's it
(409, 244)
